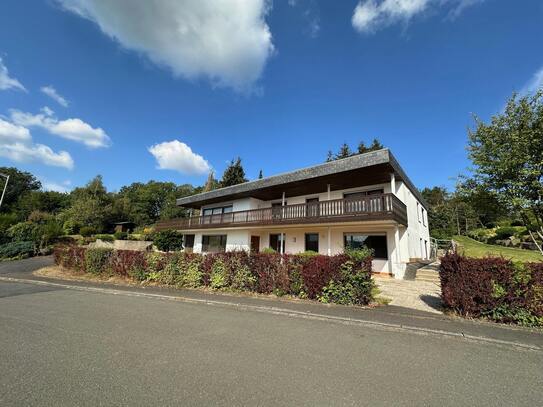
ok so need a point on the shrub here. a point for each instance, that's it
(24, 232)
(494, 288)
(105, 237)
(193, 276)
(120, 235)
(268, 250)
(219, 276)
(505, 232)
(14, 250)
(168, 240)
(87, 231)
(98, 261)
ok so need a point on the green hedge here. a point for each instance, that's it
(344, 278)
(16, 250)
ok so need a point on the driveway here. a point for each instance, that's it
(80, 345)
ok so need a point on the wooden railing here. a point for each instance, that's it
(371, 207)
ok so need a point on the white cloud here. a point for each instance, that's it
(16, 144)
(533, 84)
(47, 185)
(70, 129)
(228, 42)
(372, 15)
(175, 155)
(7, 82)
(53, 94)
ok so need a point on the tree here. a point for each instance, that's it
(375, 145)
(329, 156)
(20, 183)
(344, 152)
(233, 174)
(260, 176)
(45, 201)
(91, 206)
(508, 158)
(362, 147)
(211, 182)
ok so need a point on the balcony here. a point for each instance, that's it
(371, 207)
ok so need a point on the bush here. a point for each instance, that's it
(168, 240)
(98, 261)
(15, 250)
(120, 235)
(344, 278)
(24, 232)
(87, 231)
(105, 237)
(494, 288)
(505, 232)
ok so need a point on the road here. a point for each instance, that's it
(61, 346)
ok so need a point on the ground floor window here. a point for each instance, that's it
(378, 243)
(275, 242)
(213, 243)
(189, 243)
(312, 242)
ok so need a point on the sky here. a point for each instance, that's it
(167, 90)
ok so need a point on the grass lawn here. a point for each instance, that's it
(473, 248)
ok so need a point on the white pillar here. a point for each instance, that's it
(282, 243)
(328, 191)
(329, 244)
(393, 183)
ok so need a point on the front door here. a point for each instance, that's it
(312, 207)
(255, 244)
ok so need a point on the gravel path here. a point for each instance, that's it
(419, 295)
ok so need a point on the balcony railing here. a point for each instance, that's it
(371, 207)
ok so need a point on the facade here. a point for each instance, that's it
(364, 200)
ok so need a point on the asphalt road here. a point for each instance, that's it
(68, 347)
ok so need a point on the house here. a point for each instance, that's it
(363, 200)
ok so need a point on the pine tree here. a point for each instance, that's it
(375, 145)
(329, 156)
(344, 151)
(233, 174)
(211, 182)
(260, 176)
(362, 148)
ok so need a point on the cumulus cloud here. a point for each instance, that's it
(53, 94)
(7, 82)
(372, 15)
(228, 42)
(175, 155)
(533, 84)
(70, 129)
(17, 145)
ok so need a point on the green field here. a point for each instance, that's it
(473, 248)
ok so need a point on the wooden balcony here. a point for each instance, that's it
(371, 207)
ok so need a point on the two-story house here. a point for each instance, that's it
(364, 200)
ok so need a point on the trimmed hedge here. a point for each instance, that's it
(493, 288)
(344, 278)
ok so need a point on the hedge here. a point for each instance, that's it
(15, 250)
(494, 288)
(343, 278)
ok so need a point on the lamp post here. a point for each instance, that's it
(5, 187)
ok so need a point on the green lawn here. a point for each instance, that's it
(473, 248)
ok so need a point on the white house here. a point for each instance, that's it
(364, 200)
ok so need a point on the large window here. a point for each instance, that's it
(312, 242)
(275, 242)
(217, 211)
(213, 243)
(378, 243)
(189, 243)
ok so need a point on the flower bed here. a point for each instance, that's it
(343, 278)
(493, 288)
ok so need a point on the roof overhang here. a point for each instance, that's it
(363, 169)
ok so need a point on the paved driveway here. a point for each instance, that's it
(69, 347)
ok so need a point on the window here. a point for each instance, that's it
(358, 201)
(189, 243)
(213, 243)
(378, 243)
(217, 211)
(312, 207)
(312, 242)
(275, 239)
(423, 213)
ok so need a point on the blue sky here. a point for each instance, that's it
(96, 87)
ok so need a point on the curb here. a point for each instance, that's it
(283, 311)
